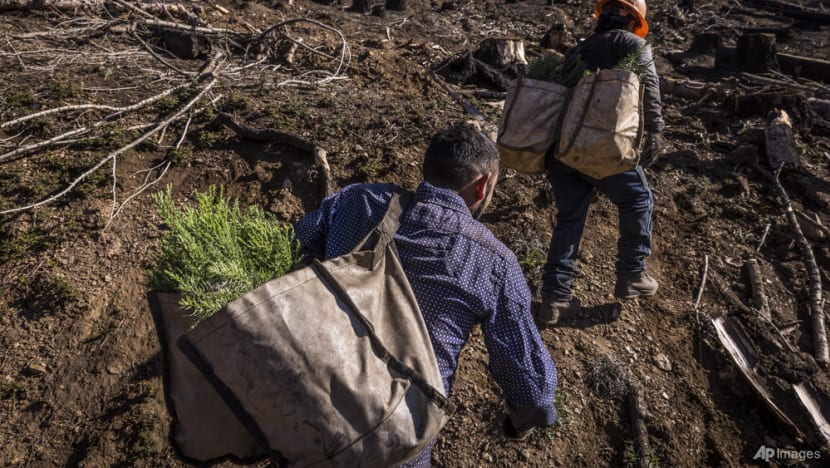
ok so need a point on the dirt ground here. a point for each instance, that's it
(80, 366)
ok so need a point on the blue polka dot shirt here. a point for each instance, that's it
(461, 275)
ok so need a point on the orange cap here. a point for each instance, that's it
(635, 7)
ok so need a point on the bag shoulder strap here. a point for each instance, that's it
(381, 235)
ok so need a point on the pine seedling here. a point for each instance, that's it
(215, 252)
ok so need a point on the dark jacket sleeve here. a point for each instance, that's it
(652, 103)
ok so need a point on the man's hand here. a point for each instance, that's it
(653, 149)
(510, 431)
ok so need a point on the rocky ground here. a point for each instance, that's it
(80, 368)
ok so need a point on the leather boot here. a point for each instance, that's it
(630, 286)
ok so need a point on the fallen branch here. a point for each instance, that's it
(113, 155)
(815, 305)
(119, 111)
(636, 411)
(267, 134)
(756, 283)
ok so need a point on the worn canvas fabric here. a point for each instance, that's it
(602, 126)
(529, 123)
(330, 365)
(204, 429)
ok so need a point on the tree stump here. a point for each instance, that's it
(501, 52)
(779, 140)
(755, 53)
(369, 7)
(705, 43)
(555, 37)
(397, 5)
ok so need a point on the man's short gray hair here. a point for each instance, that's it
(458, 154)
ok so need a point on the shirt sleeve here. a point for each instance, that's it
(519, 361)
(312, 229)
(652, 102)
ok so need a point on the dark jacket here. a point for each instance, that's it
(604, 49)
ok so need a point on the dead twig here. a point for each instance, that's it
(113, 155)
(756, 283)
(119, 111)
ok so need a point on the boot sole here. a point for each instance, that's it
(635, 295)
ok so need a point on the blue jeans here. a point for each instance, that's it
(629, 191)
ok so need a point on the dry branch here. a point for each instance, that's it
(59, 139)
(757, 285)
(636, 411)
(113, 155)
(268, 134)
(815, 305)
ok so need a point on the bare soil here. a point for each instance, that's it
(80, 366)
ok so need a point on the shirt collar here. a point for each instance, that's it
(446, 198)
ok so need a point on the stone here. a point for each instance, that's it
(662, 362)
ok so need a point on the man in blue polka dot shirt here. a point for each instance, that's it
(461, 274)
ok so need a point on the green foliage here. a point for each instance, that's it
(206, 138)
(215, 252)
(370, 164)
(64, 89)
(180, 154)
(566, 71)
(18, 246)
(633, 63)
(563, 409)
(10, 390)
(235, 102)
(61, 291)
(145, 442)
(531, 258)
(21, 99)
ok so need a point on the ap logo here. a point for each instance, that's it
(764, 453)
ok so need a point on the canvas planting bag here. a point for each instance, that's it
(204, 429)
(602, 126)
(330, 365)
(532, 109)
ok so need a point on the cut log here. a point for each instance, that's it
(755, 53)
(501, 52)
(780, 144)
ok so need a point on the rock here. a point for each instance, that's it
(35, 368)
(665, 395)
(487, 457)
(114, 369)
(662, 362)
(524, 455)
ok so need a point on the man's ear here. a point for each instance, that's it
(480, 186)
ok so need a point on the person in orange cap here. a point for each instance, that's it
(620, 32)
